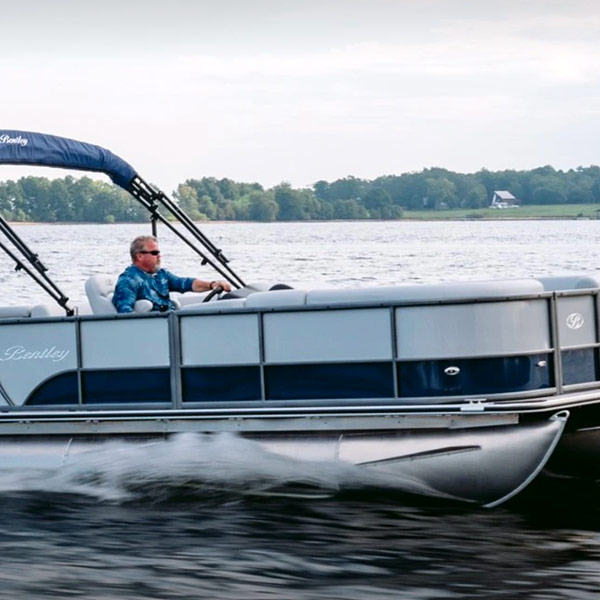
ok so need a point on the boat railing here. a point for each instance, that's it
(278, 352)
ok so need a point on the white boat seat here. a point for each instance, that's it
(14, 312)
(100, 289)
(569, 282)
(277, 298)
(189, 298)
(53, 309)
(460, 290)
(48, 310)
(220, 305)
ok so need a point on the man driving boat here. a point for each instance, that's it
(144, 279)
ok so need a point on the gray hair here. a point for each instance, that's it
(139, 244)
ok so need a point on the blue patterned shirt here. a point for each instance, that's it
(135, 284)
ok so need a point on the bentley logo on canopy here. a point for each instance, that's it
(20, 141)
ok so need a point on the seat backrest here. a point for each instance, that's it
(99, 290)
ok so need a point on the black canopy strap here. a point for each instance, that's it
(37, 272)
(151, 199)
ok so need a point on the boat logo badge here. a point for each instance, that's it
(574, 321)
(19, 140)
(52, 354)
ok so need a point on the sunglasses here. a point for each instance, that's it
(153, 252)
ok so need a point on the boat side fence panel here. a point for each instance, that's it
(126, 360)
(472, 330)
(325, 336)
(220, 358)
(576, 318)
(328, 354)
(473, 349)
(34, 354)
(124, 343)
(210, 340)
(408, 353)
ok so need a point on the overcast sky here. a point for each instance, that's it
(303, 90)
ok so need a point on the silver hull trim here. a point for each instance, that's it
(484, 465)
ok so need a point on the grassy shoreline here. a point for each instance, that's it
(559, 211)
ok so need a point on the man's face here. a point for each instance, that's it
(146, 261)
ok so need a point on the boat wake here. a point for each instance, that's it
(196, 466)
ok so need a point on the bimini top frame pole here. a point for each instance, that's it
(37, 271)
(152, 199)
(29, 148)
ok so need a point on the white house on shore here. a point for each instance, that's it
(504, 199)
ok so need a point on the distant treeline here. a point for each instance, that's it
(387, 197)
(69, 199)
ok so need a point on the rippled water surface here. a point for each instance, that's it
(146, 527)
(206, 544)
(323, 254)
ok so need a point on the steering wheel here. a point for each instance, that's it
(213, 293)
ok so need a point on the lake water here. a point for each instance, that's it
(330, 254)
(168, 534)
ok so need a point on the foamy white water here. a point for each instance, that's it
(192, 464)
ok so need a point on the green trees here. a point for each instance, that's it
(216, 199)
(387, 197)
(295, 205)
(68, 199)
(262, 207)
(379, 205)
